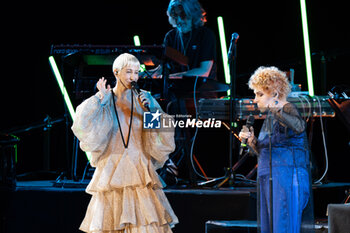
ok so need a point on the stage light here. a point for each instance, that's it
(307, 48)
(137, 40)
(64, 93)
(62, 87)
(138, 43)
(223, 49)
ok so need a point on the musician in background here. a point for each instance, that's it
(192, 39)
(196, 42)
(285, 130)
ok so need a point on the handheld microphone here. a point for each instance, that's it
(136, 88)
(245, 128)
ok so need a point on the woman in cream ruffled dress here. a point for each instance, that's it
(126, 191)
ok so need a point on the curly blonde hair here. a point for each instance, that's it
(270, 79)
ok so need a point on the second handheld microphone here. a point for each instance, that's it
(138, 92)
(246, 128)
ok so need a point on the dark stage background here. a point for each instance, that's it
(270, 34)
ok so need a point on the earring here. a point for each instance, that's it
(276, 102)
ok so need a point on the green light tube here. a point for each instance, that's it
(62, 87)
(15, 147)
(224, 49)
(138, 43)
(307, 48)
(64, 93)
(137, 40)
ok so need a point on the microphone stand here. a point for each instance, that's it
(232, 61)
(165, 74)
(270, 122)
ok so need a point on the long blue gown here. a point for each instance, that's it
(290, 171)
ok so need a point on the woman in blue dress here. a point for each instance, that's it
(282, 134)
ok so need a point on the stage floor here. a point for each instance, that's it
(38, 206)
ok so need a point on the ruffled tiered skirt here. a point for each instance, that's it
(127, 197)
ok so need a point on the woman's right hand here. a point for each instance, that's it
(247, 134)
(101, 86)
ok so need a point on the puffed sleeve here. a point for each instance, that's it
(159, 143)
(93, 125)
(290, 117)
